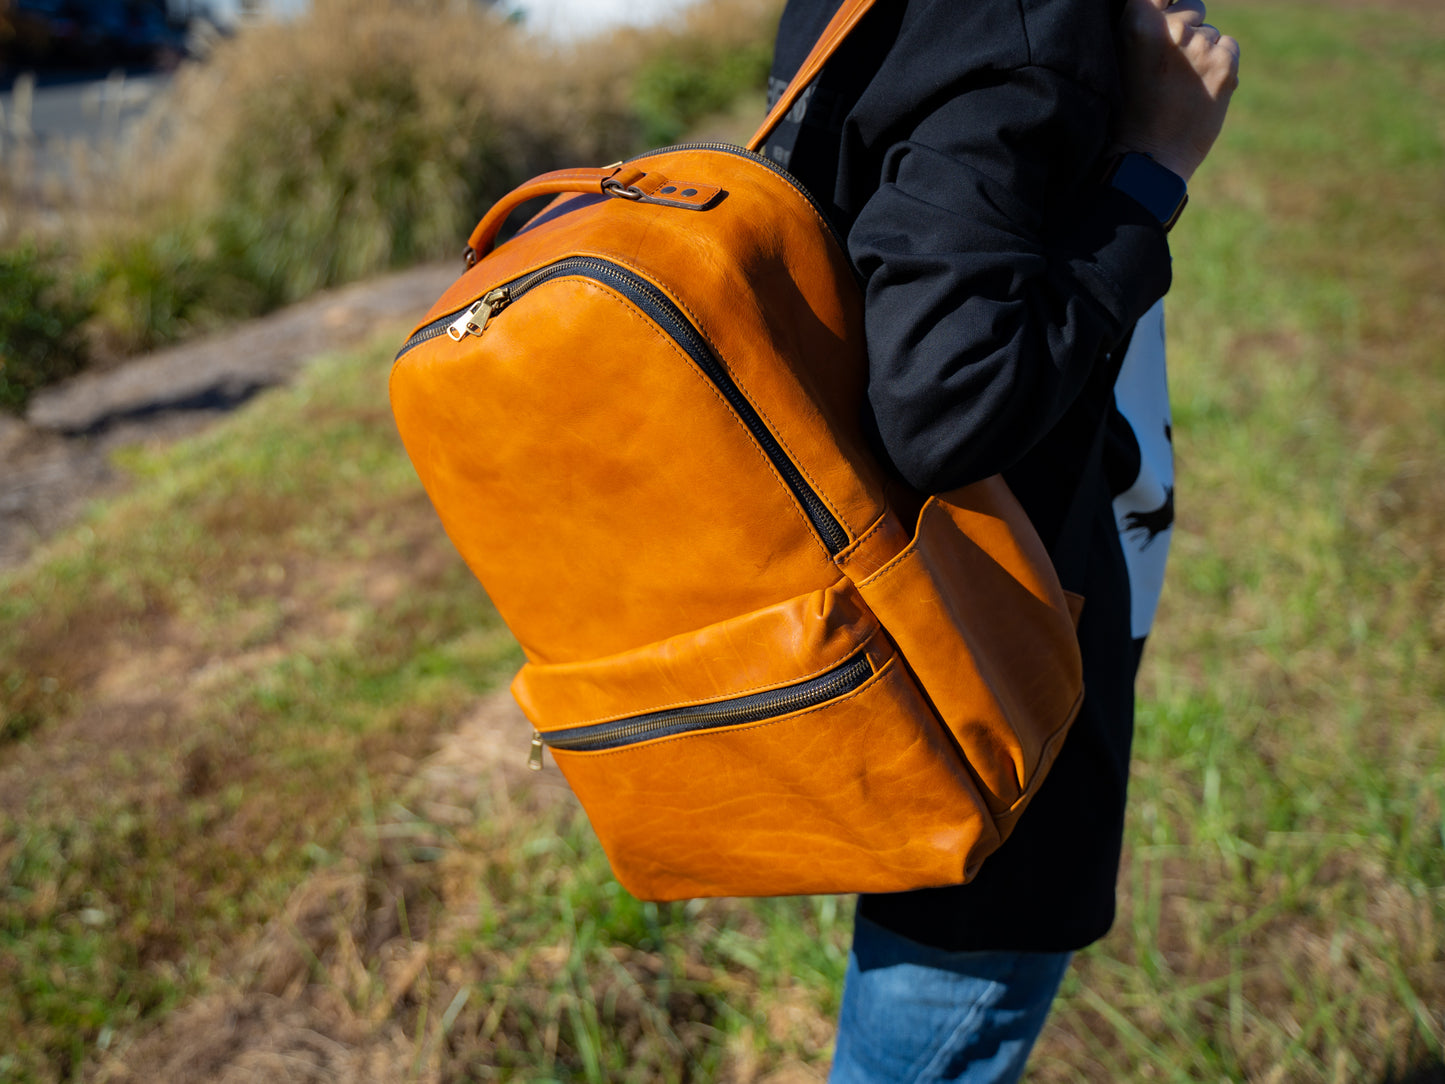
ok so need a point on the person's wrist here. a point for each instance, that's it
(1160, 190)
(1177, 162)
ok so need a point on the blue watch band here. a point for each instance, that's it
(1160, 190)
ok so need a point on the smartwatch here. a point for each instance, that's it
(1160, 190)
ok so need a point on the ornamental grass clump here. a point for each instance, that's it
(362, 136)
(40, 325)
(365, 135)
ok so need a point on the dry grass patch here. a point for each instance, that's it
(470, 934)
(249, 655)
(358, 136)
(309, 886)
(1283, 900)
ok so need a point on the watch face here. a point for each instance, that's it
(1162, 191)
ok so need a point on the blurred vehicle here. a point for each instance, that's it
(89, 34)
(34, 31)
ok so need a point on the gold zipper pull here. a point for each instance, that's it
(463, 323)
(494, 301)
(534, 758)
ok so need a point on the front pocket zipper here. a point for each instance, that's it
(660, 309)
(752, 708)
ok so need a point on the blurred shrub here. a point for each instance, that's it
(40, 325)
(365, 135)
(370, 134)
(157, 287)
(677, 89)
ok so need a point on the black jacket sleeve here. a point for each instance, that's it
(994, 282)
(958, 145)
(967, 171)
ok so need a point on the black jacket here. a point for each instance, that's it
(958, 145)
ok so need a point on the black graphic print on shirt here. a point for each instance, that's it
(1142, 466)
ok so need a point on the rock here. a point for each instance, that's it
(56, 458)
(221, 371)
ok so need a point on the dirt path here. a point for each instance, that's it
(58, 457)
(328, 991)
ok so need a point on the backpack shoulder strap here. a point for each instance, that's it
(833, 34)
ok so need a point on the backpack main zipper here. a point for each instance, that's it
(443, 323)
(752, 708)
(670, 319)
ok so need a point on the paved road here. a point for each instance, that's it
(51, 116)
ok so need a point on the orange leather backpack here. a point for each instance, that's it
(763, 667)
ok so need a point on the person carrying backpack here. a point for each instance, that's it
(1005, 175)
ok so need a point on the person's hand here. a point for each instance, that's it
(1179, 73)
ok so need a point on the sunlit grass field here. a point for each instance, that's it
(1284, 894)
(229, 827)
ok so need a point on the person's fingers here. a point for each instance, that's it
(1230, 48)
(1188, 12)
(1215, 59)
(1210, 49)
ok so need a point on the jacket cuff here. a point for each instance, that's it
(1120, 252)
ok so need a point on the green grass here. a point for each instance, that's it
(226, 679)
(1283, 900)
(219, 688)
(233, 643)
(40, 321)
(579, 981)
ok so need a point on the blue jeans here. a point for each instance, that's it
(917, 1014)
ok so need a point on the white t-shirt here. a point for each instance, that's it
(1145, 511)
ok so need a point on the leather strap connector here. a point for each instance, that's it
(685, 194)
(655, 188)
(624, 177)
(621, 181)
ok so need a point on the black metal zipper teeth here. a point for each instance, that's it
(430, 331)
(661, 309)
(667, 315)
(439, 325)
(753, 708)
(515, 289)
